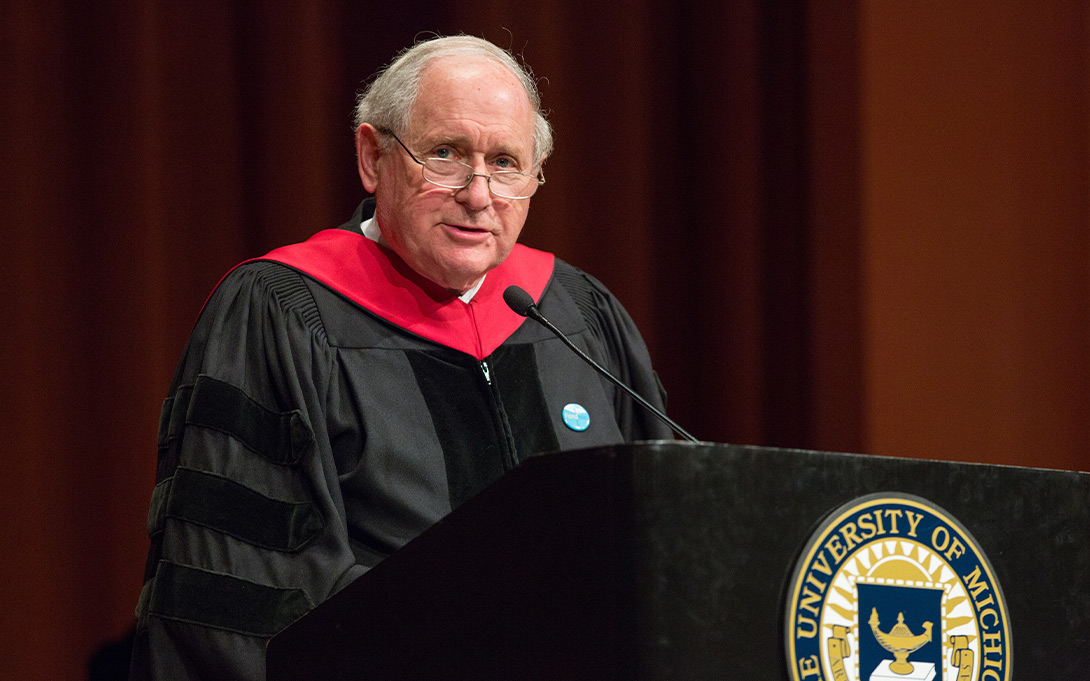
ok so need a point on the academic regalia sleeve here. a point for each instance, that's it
(246, 521)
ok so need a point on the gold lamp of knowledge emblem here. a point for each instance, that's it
(900, 641)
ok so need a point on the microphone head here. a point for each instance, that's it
(518, 300)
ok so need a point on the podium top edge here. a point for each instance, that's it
(664, 446)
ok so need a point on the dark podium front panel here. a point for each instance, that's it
(673, 561)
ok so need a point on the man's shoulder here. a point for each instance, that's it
(265, 287)
(580, 284)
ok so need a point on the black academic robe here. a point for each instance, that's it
(331, 405)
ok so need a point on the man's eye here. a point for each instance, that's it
(443, 152)
(504, 163)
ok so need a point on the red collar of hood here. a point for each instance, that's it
(377, 279)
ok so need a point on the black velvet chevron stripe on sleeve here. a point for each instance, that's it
(279, 437)
(226, 602)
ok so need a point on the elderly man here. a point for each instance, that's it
(339, 396)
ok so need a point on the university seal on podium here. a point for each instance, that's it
(892, 588)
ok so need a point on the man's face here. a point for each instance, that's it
(475, 111)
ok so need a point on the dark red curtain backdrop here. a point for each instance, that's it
(840, 225)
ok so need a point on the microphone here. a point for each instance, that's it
(523, 305)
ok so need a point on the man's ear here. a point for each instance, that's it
(368, 151)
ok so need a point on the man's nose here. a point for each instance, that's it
(476, 195)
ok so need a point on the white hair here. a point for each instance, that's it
(387, 102)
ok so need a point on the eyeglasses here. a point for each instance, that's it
(451, 174)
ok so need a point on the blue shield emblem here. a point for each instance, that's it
(900, 633)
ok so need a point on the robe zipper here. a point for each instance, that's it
(508, 445)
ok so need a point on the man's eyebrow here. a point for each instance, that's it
(452, 140)
(504, 149)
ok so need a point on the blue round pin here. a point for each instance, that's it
(576, 417)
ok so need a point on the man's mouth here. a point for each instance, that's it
(468, 229)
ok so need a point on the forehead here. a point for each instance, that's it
(472, 98)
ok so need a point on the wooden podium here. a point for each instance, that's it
(674, 561)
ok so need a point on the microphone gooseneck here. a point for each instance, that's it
(523, 304)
